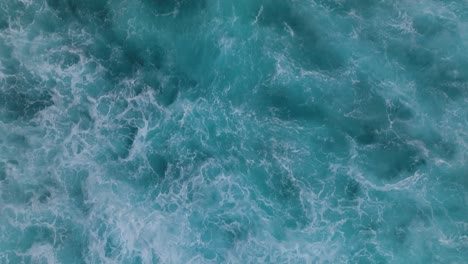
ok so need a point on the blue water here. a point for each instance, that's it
(222, 131)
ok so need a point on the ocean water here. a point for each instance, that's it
(221, 131)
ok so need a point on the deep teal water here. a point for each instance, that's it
(219, 131)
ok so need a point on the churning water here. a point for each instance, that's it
(233, 131)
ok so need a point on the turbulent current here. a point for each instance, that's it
(222, 131)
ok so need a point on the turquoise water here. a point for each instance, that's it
(220, 131)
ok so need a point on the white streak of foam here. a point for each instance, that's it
(260, 11)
